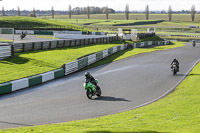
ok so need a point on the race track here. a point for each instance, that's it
(125, 84)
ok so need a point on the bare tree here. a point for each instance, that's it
(34, 14)
(127, 11)
(3, 12)
(70, 11)
(88, 12)
(52, 12)
(170, 13)
(193, 12)
(107, 14)
(18, 12)
(147, 12)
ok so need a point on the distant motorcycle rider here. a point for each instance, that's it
(175, 61)
(90, 78)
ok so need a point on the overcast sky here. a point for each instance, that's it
(115, 4)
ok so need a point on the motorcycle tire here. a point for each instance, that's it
(174, 71)
(99, 91)
(89, 94)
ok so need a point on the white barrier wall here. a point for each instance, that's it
(18, 84)
(47, 76)
(68, 32)
(77, 36)
(5, 51)
(28, 31)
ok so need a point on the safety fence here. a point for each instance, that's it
(85, 61)
(5, 51)
(31, 46)
(51, 32)
(150, 43)
(30, 81)
(68, 68)
(195, 36)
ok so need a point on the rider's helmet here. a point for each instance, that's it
(174, 58)
(87, 74)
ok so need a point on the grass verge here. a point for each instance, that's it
(130, 52)
(179, 112)
(36, 62)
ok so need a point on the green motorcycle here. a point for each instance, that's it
(92, 90)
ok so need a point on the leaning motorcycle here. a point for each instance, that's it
(174, 68)
(92, 90)
(23, 35)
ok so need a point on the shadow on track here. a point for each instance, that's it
(109, 98)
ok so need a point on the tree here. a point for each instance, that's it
(193, 12)
(88, 12)
(127, 11)
(70, 11)
(18, 13)
(52, 12)
(147, 12)
(107, 17)
(34, 14)
(170, 13)
(3, 12)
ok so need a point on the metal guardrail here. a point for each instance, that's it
(31, 46)
(5, 51)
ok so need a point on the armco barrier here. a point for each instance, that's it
(85, 61)
(5, 51)
(31, 46)
(68, 68)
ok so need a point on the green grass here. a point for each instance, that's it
(154, 38)
(32, 63)
(47, 37)
(179, 112)
(132, 16)
(181, 38)
(178, 33)
(5, 40)
(26, 22)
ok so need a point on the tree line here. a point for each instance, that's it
(170, 12)
(92, 10)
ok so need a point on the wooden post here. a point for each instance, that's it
(49, 44)
(23, 47)
(33, 46)
(12, 50)
(42, 45)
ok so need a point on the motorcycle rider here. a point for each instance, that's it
(90, 78)
(175, 61)
(193, 43)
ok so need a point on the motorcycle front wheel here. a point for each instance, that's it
(89, 94)
(99, 91)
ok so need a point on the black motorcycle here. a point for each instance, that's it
(193, 43)
(174, 68)
(23, 35)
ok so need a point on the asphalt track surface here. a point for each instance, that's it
(28, 38)
(125, 84)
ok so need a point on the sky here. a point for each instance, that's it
(118, 5)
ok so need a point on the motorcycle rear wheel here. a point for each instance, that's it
(98, 91)
(174, 71)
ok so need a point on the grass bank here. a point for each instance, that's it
(36, 62)
(35, 23)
